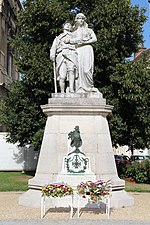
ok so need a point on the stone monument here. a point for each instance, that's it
(76, 144)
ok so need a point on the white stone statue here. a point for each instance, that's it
(64, 55)
(82, 38)
(74, 57)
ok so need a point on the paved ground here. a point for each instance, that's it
(13, 214)
(73, 222)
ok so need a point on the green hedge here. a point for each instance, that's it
(138, 172)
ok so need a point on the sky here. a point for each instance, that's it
(146, 27)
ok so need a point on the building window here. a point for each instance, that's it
(3, 128)
(9, 63)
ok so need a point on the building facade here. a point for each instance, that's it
(143, 51)
(8, 28)
(12, 157)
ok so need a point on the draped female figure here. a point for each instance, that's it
(82, 37)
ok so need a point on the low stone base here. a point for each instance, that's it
(32, 199)
(120, 199)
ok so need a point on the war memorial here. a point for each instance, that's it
(76, 145)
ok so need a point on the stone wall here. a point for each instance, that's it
(14, 158)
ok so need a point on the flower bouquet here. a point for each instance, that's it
(94, 189)
(57, 190)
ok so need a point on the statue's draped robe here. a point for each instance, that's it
(85, 60)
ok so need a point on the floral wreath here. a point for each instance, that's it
(57, 190)
(94, 189)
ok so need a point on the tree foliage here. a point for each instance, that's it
(118, 27)
(23, 117)
(2, 106)
(130, 84)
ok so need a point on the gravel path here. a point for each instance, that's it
(13, 214)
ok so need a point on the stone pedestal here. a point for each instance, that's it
(64, 112)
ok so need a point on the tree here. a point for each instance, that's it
(2, 106)
(118, 27)
(23, 117)
(130, 121)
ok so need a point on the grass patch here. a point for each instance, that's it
(14, 181)
(134, 187)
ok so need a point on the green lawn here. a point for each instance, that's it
(132, 187)
(17, 181)
(14, 181)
